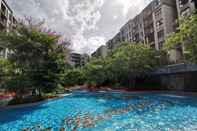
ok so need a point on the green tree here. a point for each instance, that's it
(186, 37)
(74, 77)
(5, 71)
(132, 60)
(95, 72)
(38, 56)
(122, 66)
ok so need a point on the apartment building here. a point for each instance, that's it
(78, 60)
(126, 34)
(151, 26)
(85, 58)
(114, 42)
(148, 22)
(109, 45)
(186, 7)
(100, 52)
(7, 22)
(164, 17)
(138, 29)
(133, 30)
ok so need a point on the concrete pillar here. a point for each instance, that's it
(155, 32)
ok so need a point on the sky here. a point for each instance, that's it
(88, 24)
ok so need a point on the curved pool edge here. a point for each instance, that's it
(162, 93)
(34, 103)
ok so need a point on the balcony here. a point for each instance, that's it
(3, 19)
(149, 31)
(177, 68)
(3, 24)
(184, 6)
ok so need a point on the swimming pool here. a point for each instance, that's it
(83, 111)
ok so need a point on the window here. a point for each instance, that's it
(3, 8)
(158, 13)
(182, 3)
(159, 23)
(160, 35)
(10, 17)
(160, 44)
(157, 3)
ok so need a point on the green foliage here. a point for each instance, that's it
(123, 65)
(74, 77)
(132, 60)
(186, 36)
(38, 58)
(95, 72)
(5, 71)
(49, 95)
(29, 99)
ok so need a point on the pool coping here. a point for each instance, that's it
(34, 103)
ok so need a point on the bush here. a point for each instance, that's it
(186, 37)
(38, 56)
(123, 66)
(30, 99)
(5, 72)
(74, 77)
(49, 95)
(95, 72)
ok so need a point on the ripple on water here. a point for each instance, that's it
(105, 111)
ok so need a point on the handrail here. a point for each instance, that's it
(176, 68)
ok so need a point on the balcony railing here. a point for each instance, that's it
(174, 69)
(184, 6)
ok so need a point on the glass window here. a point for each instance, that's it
(183, 2)
(159, 23)
(157, 3)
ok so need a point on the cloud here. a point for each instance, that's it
(83, 16)
(88, 23)
(127, 5)
(87, 45)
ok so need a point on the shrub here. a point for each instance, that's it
(74, 77)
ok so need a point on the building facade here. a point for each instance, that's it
(151, 26)
(186, 7)
(84, 59)
(100, 52)
(7, 22)
(78, 60)
(133, 30)
(164, 20)
(148, 23)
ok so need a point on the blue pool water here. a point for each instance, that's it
(105, 112)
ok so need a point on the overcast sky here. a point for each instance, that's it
(87, 23)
